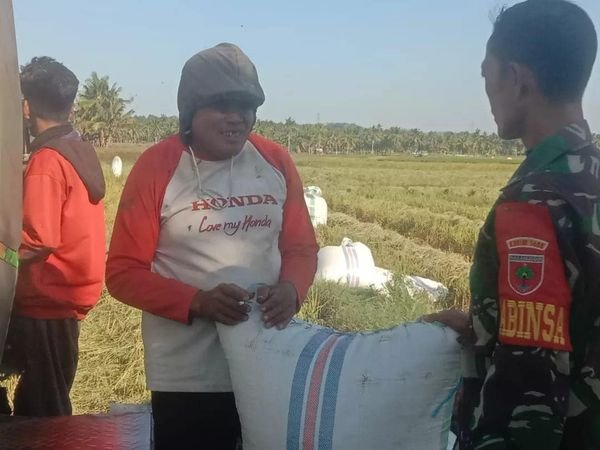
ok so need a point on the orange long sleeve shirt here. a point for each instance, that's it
(63, 242)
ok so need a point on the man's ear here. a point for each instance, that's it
(525, 81)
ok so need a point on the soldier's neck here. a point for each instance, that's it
(549, 120)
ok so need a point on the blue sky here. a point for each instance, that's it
(408, 63)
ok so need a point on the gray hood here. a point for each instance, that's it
(223, 72)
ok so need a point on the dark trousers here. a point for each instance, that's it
(45, 353)
(195, 420)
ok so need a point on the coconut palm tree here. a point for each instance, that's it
(101, 112)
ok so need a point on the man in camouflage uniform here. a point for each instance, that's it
(532, 338)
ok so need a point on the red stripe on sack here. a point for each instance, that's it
(314, 394)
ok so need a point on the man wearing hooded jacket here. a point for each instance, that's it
(207, 218)
(61, 259)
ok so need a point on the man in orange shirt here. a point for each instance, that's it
(62, 255)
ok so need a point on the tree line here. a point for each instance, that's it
(104, 117)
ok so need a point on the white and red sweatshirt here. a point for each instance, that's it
(179, 230)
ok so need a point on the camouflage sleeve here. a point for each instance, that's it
(523, 400)
(524, 396)
(583, 267)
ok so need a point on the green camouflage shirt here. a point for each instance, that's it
(535, 309)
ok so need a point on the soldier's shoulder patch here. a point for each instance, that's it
(534, 294)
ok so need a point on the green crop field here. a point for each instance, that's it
(419, 216)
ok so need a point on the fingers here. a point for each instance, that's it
(230, 316)
(277, 315)
(234, 292)
(274, 299)
(278, 312)
(225, 320)
(229, 310)
(232, 305)
(263, 293)
(281, 320)
(270, 304)
(429, 318)
(455, 319)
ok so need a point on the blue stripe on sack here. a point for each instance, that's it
(299, 388)
(451, 394)
(330, 393)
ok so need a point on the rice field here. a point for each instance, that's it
(419, 216)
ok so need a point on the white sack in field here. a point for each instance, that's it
(418, 285)
(351, 264)
(309, 387)
(117, 166)
(382, 279)
(316, 204)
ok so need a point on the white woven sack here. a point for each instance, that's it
(382, 279)
(117, 166)
(351, 264)
(309, 387)
(316, 204)
(435, 290)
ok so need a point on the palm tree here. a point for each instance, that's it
(101, 112)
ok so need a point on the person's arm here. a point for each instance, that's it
(584, 391)
(129, 276)
(44, 194)
(525, 394)
(297, 242)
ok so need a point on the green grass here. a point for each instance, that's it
(346, 309)
(438, 202)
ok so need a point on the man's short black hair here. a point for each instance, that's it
(556, 39)
(49, 87)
